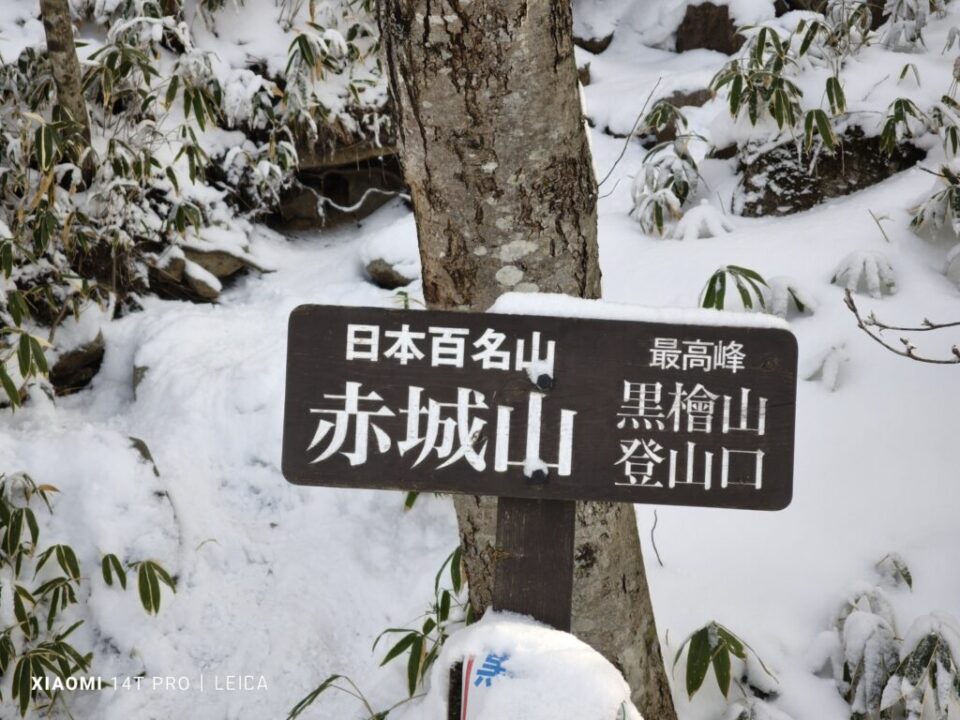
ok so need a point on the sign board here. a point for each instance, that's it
(540, 407)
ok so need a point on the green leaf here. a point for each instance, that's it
(444, 611)
(43, 140)
(23, 355)
(744, 293)
(732, 642)
(39, 358)
(698, 660)
(13, 394)
(405, 642)
(413, 665)
(145, 590)
(456, 569)
(172, 90)
(721, 668)
(311, 697)
(67, 560)
(21, 683)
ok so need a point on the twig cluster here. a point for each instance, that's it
(875, 328)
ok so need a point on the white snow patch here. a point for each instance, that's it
(557, 305)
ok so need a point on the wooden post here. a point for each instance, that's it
(534, 569)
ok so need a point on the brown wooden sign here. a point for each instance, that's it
(540, 407)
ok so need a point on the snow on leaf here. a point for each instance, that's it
(827, 368)
(702, 221)
(784, 297)
(866, 271)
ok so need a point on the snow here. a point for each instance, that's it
(548, 675)
(295, 583)
(516, 303)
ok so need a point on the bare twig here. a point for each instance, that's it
(909, 349)
(653, 540)
(882, 231)
(626, 143)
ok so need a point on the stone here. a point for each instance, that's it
(778, 182)
(709, 27)
(384, 275)
(689, 98)
(346, 193)
(593, 45)
(681, 99)
(218, 263)
(171, 263)
(74, 370)
(200, 281)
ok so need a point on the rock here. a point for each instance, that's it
(218, 263)
(689, 98)
(779, 182)
(75, 369)
(171, 263)
(325, 196)
(384, 275)
(710, 27)
(593, 45)
(202, 282)
(322, 157)
(876, 7)
(681, 99)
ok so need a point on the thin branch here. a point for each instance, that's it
(882, 231)
(653, 540)
(626, 143)
(909, 349)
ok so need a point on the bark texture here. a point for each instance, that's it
(58, 28)
(495, 153)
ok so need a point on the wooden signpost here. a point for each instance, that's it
(540, 411)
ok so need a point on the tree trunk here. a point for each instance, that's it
(58, 29)
(494, 150)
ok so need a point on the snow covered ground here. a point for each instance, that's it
(294, 584)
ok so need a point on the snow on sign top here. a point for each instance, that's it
(541, 406)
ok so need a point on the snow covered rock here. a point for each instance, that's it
(515, 668)
(201, 281)
(391, 258)
(218, 263)
(781, 181)
(595, 45)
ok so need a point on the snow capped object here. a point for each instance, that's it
(827, 367)
(515, 668)
(395, 245)
(866, 270)
(702, 221)
(555, 304)
(784, 296)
